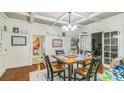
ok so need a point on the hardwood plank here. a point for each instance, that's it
(21, 73)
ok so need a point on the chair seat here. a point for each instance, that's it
(55, 64)
(57, 68)
(86, 62)
(82, 71)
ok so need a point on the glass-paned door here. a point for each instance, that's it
(84, 41)
(110, 46)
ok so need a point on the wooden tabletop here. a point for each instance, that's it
(69, 61)
(66, 60)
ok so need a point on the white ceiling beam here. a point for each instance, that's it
(96, 14)
(91, 17)
(22, 13)
(4, 15)
(60, 18)
(39, 17)
(95, 19)
(32, 15)
(49, 19)
(76, 14)
(80, 20)
(80, 25)
(84, 18)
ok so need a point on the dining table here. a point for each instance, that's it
(63, 59)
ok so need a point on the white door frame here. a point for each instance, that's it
(102, 43)
(31, 38)
(103, 31)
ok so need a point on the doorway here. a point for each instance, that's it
(37, 49)
(97, 43)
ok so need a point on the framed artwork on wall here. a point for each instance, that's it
(18, 40)
(5, 28)
(15, 30)
(37, 45)
(56, 43)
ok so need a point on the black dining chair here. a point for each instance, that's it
(58, 52)
(47, 67)
(81, 52)
(85, 62)
(89, 52)
(88, 72)
(53, 69)
(48, 70)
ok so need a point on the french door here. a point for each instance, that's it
(110, 47)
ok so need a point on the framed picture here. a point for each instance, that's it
(18, 40)
(15, 30)
(56, 43)
(5, 28)
(37, 45)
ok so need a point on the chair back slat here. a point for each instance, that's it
(88, 52)
(47, 61)
(81, 52)
(94, 66)
(59, 52)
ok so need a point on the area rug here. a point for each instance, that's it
(42, 76)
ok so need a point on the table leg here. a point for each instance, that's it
(69, 73)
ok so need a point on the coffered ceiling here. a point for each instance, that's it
(60, 18)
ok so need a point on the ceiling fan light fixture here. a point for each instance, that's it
(69, 27)
(75, 26)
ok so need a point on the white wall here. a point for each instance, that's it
(22, 55)
(17, 56)
(109, 24)
(2, 56)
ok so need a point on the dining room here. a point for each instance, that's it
(61, 46)
(76, 46)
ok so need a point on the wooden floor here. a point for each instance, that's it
(21, 73)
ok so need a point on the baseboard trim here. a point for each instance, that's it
(2, 72)
(16, 66)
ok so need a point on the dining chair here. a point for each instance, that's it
(47, 67)
(81, 52)
(88, 72)
(85, 62)
(89, 52)
(53, 69)
(58, 52)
